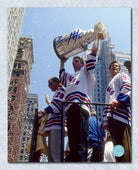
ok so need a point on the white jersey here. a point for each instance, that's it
(119, 88)
(54, 111)
(79, 85)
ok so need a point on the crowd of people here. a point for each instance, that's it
(83, 129)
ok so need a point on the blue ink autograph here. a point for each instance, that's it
(73, 35)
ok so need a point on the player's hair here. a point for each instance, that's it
(127, 64)
(81, 59)
(54, 79)
(114, 61)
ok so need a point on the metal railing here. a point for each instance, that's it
(35, 127)
(63, 122)
(34, 135)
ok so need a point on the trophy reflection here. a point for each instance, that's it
(77, 41)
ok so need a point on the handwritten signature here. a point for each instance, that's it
(73, 35)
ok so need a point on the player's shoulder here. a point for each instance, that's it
(124, 76)
(120, 74)
(62, 89)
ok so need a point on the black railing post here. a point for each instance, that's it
(97, 132)
(81, 129)
(33, 140)
(62, 132)
(63, 122)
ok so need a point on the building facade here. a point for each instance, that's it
(15, 17)
(17, 95)
(32, 104)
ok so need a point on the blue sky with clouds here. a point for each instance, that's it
(44, 24)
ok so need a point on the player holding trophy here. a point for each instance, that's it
(79, 88)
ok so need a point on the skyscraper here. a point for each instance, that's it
(32, 104)
(17, 95)
(15, 17)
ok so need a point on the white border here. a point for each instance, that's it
(4, 4)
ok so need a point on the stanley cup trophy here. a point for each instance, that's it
(77, 41)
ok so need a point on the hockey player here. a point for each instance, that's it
(79, 88)
(53, 125)
(128, 66)
(116, 117)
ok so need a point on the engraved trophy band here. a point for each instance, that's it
(77, 41)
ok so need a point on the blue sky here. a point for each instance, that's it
(44, 24)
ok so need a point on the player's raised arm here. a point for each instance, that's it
(96, 44)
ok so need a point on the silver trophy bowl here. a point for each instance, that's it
(77, 41)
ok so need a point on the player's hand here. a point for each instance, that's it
(62, 62)
(47, 99)
(100, 36)
(114, 104)
(101, 126)
(62, 57)
(40, 114)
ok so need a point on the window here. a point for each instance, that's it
(10, 88)
(11, 108)
(30, 127)
(28, 139)
(19, 53)
(30, 121)
(25, 121)
(13, 73)
(22, 151)
(22, 42)
(32, 110)
(8, 126)
(23, 139)
(21, 157)
(15, 89)
(29, 40)
(16, 81)
(15, 65)
(9, 117)
(18, 73)
(11, 82)
(19, 65)
(13, 98)
(35, 102)
(26, 157)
